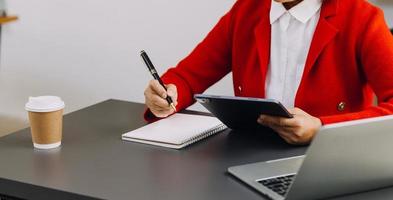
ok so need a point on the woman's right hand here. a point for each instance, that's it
(155, 98)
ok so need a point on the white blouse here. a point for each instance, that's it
(292, 33)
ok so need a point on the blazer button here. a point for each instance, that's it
(341, 106)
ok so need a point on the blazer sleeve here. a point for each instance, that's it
(375, 49)
(209, 62)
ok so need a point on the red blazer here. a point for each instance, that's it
(350, 59)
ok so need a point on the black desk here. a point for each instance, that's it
(94, 163)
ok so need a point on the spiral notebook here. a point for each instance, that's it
(176, 131)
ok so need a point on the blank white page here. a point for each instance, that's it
(175, 130)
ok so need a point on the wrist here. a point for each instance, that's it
(317, 124)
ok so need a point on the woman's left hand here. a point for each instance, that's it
(298, 130)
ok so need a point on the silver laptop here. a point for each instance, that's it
(344, 158)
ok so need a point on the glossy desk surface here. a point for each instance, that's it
(94, 163)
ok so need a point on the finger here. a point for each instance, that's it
(158, 111)
(284, 135)
(157, 88)
(289, 140)
(289, 132)
(278, 121)
(282, 131)
(270, 121)
(152, 97)
(153, 107)
(148, 93)
(148, 101)
(160, 102)
(158, 108)
(172, 91)
(155, 102)
(162, 114)
(288, 137)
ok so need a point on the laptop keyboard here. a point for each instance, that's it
(280, 185)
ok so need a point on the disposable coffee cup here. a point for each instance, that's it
(46, 121)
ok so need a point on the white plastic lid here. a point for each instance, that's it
(44, 104)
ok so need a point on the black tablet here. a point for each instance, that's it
(241, 112)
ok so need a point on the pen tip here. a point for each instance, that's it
(173, 106)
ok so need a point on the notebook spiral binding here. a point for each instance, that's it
(205, 134)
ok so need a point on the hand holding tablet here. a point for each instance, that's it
(241, 112)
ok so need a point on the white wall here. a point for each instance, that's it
(387, 6)
(86, 51)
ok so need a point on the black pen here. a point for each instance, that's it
(155, 75)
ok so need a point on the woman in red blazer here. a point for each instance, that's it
(350, 59)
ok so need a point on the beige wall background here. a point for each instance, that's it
(86, 51)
